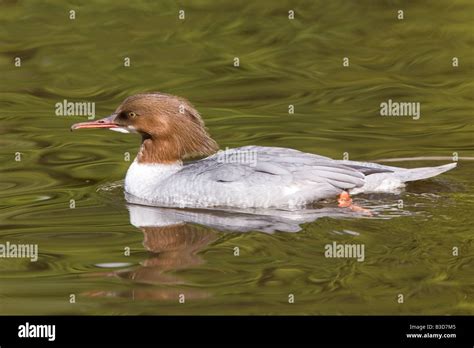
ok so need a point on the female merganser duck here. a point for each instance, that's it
(173, 131)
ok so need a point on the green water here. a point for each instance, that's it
(408, 250)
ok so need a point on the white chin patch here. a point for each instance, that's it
(120, 130)
(129, 129)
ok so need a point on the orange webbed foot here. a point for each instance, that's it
(345, 201)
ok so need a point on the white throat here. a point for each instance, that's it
(142, 178)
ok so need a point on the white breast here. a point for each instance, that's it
(143, 180)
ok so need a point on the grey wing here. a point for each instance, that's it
(369, 168)
(283, 166)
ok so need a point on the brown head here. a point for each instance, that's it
(171, 128)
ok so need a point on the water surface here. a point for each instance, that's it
(408, 249)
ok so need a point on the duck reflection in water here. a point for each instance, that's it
(176, 236)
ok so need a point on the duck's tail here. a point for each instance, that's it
(422, 173)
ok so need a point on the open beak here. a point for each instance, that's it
(107, 122)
